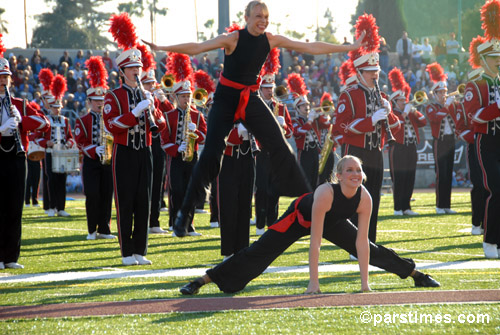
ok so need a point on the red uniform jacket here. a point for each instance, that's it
(66, 134)
(477, 104)
(436, 113)
(283, 111)
(352, 120)
(234, 140)
(417, 120)
(83, 135)
(118, 116)
(465, 128)
(301, 127)
(169, 134)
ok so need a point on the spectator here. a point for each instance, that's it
(422, 76)
(65, 59)
(384, 55)
(71, 81)
(36, 53)
(416, 54)
(204, 64)
(108, 61)
(78, 71)
(440, 51)
(36, 67)
(63, 69)
(426, 51)
(80, 96)
(25, 93)
(79, 57)
(26, 83)
(404, 49)
(452, 47)
(89, 54)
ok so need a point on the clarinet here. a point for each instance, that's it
(389, 137)
(152, 125)
(17, 135)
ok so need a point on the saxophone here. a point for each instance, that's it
(189, 137)
(326, 150)
(106, 140)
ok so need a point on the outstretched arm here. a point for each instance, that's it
(313, 48)
(227, 42)
(362, 242)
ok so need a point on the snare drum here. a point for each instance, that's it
(35, 152)
(65, 161)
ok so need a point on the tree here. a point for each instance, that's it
(71, 24)
(137, 9)
(326, 33)
(209, 25)
(3, 23)
(471, 25)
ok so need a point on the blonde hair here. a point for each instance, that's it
(252, 4)
(341, 163)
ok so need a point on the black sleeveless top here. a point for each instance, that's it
(244, 64)
(342, 207)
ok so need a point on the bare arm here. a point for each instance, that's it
(362, 242)
(323, 198)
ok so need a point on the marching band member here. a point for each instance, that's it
(17, 118)
(362, 110)
(441, 115)
(482, 101)
(184, 124)
(95, 143)
(403, 152)
(59, 137)
(129, 117)
(266, 196)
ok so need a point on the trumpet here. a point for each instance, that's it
(419, 98)
(200, 97)
(281, 92)
(326, 107)
(168, 81)
(459, 91)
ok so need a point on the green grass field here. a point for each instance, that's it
(59, 245)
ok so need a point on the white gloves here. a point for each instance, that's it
(386, 104)
(15, 113)
(191, 126)
(11, 123)
(150, 97)
(182, 147)
(99, 150)
(141, 106)
(312, 115)
(379, 115)
(407, 109)
(449, 101)
(281, 120)
(160, 96)
(242, 131)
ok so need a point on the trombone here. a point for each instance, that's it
(326, 107)
(200, 97)
(459, 92)
(419, 98)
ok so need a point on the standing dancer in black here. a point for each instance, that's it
(237, 92)
(324, 213)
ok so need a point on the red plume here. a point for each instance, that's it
(98, 75)
(490, 15)
(46, 76)
(296, 84)
(148, 61)
(367, 22)
(436, 72)
(203, 80)
(2, 47)
(407, 90)
(272, 63)
(123, 31)
(474, 58)
(180, 66)
(346, 70)
(58, 87)
(397, 79)
(233, 27)
(35, 106)
(326, 96)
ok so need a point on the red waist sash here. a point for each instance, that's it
(244, 94)
(285, 223)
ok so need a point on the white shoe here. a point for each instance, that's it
(164, 209)
(409, 212)
(449, 211)
(476, 230)
(490, 250)
(440, 210)
(398, 213)
(105, 236)
(352, 257)
(63, 213)
(2, 266)
(51, 212)
(156, 230)
(14, 265)
(200, 211)
(227, 257)
(26, 205)
(193, 233)
(170, 228)
(252, 221)
(92, 236)
(130, 260)
(142, 260)
(214, 224)
(260, 231)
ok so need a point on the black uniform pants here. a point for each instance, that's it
(488, 152)
(32, 182)
(373, 166)
(263, 125)
(478, 193)
(98, 189)
(444, 154)
(180, 172)
(309, 161)
(45, 185)
(57, 185)
(214, 201)
(159, 163)
(403, 164)
(236, 272)
(13, 177)
(236, 180)
(132, 170)
(266, 196)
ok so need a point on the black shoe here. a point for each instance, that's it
(423, 280)
(181, 224)
(190, 288)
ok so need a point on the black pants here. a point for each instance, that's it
(132, 170)
(45, 185)
(478, 193)
(159, 162)
(236, 272)
(373, 166)
(266, 196)
(263, 125)
(13, 177)
(32, 182)
(309, 161)
(488, 152)
(180, 172)
(327, 174)
(98, 189)
(403, 164)
(236, 180)
(214, 201)
(444, 154)
(57, 185)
